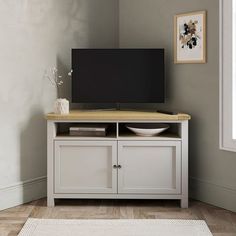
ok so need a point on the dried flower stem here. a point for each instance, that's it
(54, 78)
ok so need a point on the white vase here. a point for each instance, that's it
(61, 106)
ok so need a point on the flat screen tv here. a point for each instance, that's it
(118, 76)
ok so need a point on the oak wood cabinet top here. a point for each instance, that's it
(118, 116)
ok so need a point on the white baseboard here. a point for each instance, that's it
(201, 190)
(213, 194)
(23, 192)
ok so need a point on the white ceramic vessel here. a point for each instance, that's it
(61, 106)
(147, 130)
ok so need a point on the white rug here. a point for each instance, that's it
(44, 227)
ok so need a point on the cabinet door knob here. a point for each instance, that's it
(115, 166)
(119, 166)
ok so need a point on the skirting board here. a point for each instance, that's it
(213, 194)
(23, 192)
(37, 188)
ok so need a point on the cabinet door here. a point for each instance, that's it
(149, 167)
(85, 167)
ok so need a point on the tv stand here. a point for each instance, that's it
(120, 165)
(115, 107)
(118, 106)
(167, 112)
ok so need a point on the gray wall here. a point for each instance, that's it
(190, 88)
(36, 35)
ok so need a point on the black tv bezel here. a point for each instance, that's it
(129, 102)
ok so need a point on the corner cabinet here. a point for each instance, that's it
(120, 165)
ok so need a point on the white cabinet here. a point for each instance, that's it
(120, 165)
(85, 167)
(149, 167)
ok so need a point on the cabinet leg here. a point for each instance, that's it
(184, 203)
(50, 202)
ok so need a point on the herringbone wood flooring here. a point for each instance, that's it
(221, 222)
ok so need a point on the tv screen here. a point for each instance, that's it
(118, 76)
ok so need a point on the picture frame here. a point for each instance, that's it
(190, 37)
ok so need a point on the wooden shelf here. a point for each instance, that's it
(82, 115)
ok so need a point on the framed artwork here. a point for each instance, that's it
(190, 37)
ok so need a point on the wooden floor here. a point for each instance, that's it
(221, 222)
